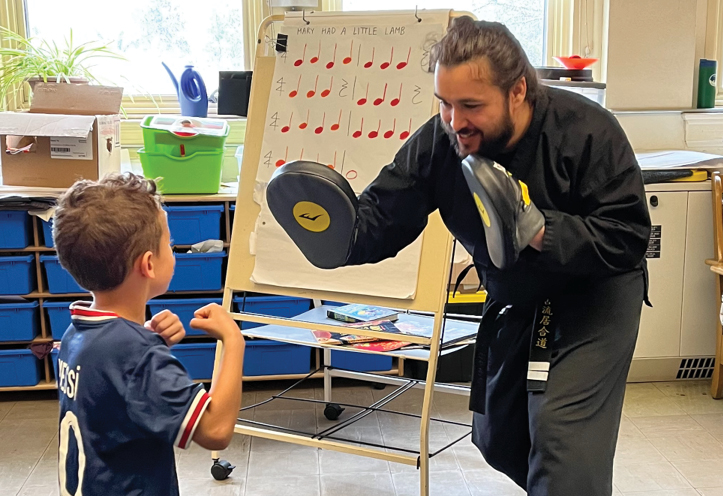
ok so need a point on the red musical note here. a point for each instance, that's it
(329, 65)
(306, 122)
(295, 92)
(314, 60)
(362, 101)
(371, 62)
(390, 133)
(358, 133)
(398, 99)
(311, 93)
(326, 92)
(334, 165)
(402, 65)
(379, 101)
(320, 129)
(347, 60)
(405, 134)
(335, 127)
(281, 162)
(301, 60)
(286, 129)
(387, 64)
(352, 174)
(374, 134)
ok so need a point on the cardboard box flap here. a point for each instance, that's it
(54, 125)
(77, 99)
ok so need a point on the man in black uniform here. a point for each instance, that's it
(560, 323)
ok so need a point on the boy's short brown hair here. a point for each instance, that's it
(102, 227)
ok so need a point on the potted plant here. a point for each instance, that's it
(31, 60)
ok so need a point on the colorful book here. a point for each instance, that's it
(348, 338)
(361, 313)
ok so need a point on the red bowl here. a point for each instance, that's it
(576, 63)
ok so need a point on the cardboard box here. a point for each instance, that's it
(71, 132)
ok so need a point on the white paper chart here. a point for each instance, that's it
(348, 96)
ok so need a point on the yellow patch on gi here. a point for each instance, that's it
(311, 216)
(525, 193)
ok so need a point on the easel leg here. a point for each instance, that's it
(327, 375)
(716, 389)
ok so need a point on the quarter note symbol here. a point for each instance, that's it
(398, 99)
(371, 62)
(335, 126)
(405, 134)
(286, 129)
(387, 64)
(320, 129)
(358, 133)
(390, 133)
(402, 65)
(281, 162)
(306, 122)
(374, 134)
(301, 60)
(347, 60)
(314, 60)
(326, 92)
(295, 92)
(379, 101)
(362, 101)
(329, 65)
(332, 166)
(311, 93)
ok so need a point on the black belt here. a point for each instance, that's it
(541, 348)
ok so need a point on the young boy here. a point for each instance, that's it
(125, 400)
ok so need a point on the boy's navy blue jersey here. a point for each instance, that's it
(125, 401)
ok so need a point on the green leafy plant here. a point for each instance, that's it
(31, 59)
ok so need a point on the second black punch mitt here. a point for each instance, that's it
(509, 217)
(317, 208)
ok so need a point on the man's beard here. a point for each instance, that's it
(491, 145)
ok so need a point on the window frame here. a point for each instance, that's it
(563, 22)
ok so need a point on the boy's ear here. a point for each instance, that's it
(145, 265)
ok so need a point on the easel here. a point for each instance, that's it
(431, 297)
(716, 265)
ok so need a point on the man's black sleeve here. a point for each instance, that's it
(393, 209)
(611, 234)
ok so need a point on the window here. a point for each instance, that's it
(525, 18)
(147, 32)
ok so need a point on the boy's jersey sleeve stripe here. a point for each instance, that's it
(190, 422)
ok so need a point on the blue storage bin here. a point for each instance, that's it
(196, 358)
(360, 362)
(197, 272)
(19, 321)
(16, 275)
(15, 231)
(19, 368)
(263, 357)
(59, 317)
(59, 280)
(48, 233)
(184, 309)
(275, 306)
(54, 357)
(189, 225)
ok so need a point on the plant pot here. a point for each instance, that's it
(51, 80)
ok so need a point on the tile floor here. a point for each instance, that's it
(671, 444)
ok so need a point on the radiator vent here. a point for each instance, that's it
(696, 368)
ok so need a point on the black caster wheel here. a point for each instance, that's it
(332, 411)
(379, 386)
(221, 469)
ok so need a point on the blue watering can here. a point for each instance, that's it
(191, 92)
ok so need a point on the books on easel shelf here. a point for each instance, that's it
(380, 319)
